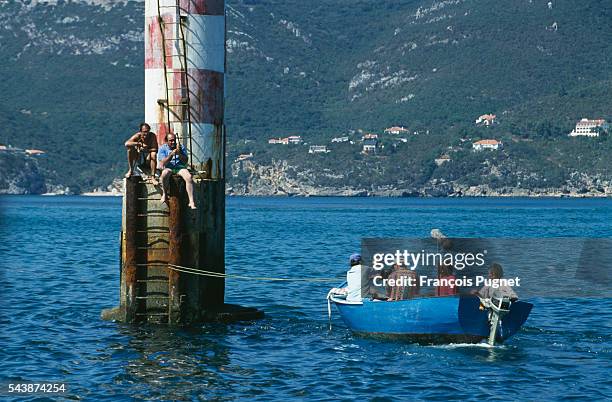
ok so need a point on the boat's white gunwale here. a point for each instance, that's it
(342, 301)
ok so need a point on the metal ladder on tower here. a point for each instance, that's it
(152, 253)
(152, 231)
(183, 115)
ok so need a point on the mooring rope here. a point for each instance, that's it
(194, 271)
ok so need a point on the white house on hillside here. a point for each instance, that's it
(587, 128)
(396, 130)
(486, 120)
(442, 159)
(294, 139)
(35, 152)
(243, 157)
(318, 149)
(283, 141)
(369, 145)
(369, 136)
(487, 144)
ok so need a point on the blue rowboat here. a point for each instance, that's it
(430, 319)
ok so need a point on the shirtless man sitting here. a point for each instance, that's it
(173, 159)
(142, 147)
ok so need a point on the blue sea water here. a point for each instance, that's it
(59, 269)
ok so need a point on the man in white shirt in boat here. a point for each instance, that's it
(353, 279)
(491, 292)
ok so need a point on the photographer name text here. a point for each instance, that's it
(423, 280)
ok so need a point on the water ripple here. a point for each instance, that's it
(61, 269)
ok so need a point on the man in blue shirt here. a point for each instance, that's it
(173, 159)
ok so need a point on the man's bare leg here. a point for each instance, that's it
(184, 173)
(165, 178)
(132, 155)
(153, 160)
(153, 156)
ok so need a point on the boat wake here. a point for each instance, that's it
(468, 345)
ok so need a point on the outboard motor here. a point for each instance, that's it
(498, 308)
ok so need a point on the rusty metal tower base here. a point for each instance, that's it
(154, 235)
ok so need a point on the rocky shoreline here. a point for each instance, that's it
(21, 174)
(279, 179)
(475, 191)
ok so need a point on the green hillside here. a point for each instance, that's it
(74, 85)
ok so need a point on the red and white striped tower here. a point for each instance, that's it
(201, 82)
(204, 34)
(191, 74)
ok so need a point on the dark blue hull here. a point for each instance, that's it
(452, 318)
